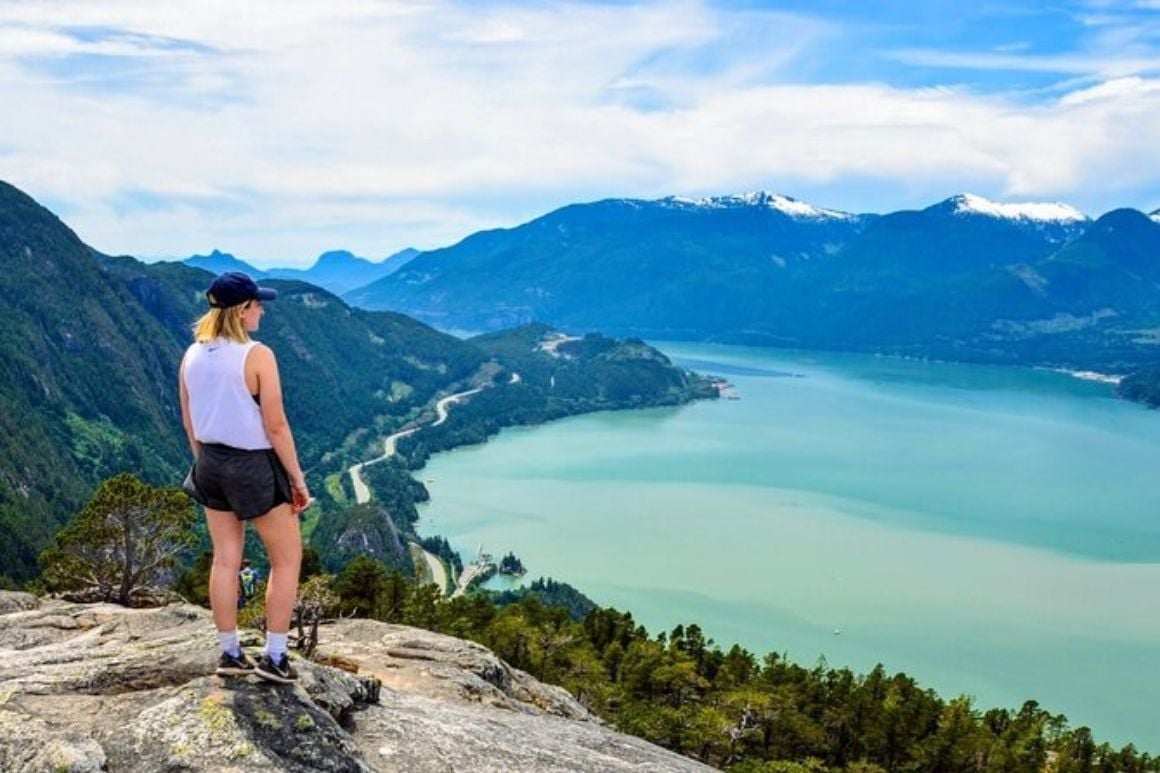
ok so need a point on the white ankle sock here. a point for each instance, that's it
(276, 644)
(229, 642)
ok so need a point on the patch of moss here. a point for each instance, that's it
(214, 715)
(242, 750)
(304, 722)
(180, 749)
(267, 719)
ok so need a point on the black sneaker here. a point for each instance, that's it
(276, 670)
(229, 665)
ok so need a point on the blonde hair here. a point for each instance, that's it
(221, 323)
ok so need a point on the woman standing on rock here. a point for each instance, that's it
(246, 467)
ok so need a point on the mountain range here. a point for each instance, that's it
(338, 271)
(965, 278)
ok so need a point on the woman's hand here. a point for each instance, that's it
(301, 495)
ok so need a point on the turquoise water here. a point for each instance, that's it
(990, 531)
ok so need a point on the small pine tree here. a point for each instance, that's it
(360, 586)
(122, 542)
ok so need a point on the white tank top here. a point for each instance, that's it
(220, 404)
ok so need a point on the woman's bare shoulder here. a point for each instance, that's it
(260, 357)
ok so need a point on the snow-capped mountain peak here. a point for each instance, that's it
(1155, 216)
(969, 203)
(776, 201)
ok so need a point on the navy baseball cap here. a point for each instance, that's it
(234, 287)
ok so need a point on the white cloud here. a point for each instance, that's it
(1112, 92)
(1093, 65)
(279, 129)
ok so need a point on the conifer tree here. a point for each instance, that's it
(122, 542)
(360, 586)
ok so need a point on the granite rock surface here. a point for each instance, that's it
(91, 687)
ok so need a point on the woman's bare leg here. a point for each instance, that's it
(279, 532)
(228, 536)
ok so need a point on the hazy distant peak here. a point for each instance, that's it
(402, 255)
(337, 258)
(776, 201)
(217, 261)
(1056, 212)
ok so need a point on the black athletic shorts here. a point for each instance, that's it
(249, 483)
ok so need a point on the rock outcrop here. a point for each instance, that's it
(89, 687)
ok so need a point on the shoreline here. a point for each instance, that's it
(1082, 374)
(850, 632)
(362, 493)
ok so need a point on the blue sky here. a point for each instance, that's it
(279, 130)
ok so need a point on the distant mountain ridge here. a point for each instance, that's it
(965, 278)
(968, 203)
(774, 201)
(675, 264)
(338, 271)
(218, 262)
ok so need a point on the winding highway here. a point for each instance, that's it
(441, 406)
(362, 494)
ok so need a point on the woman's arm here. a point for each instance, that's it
(186, 420)
(261, 359)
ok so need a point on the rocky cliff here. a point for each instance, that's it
(87, 687)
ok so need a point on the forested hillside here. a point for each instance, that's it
(89, 349)
(548, 376)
